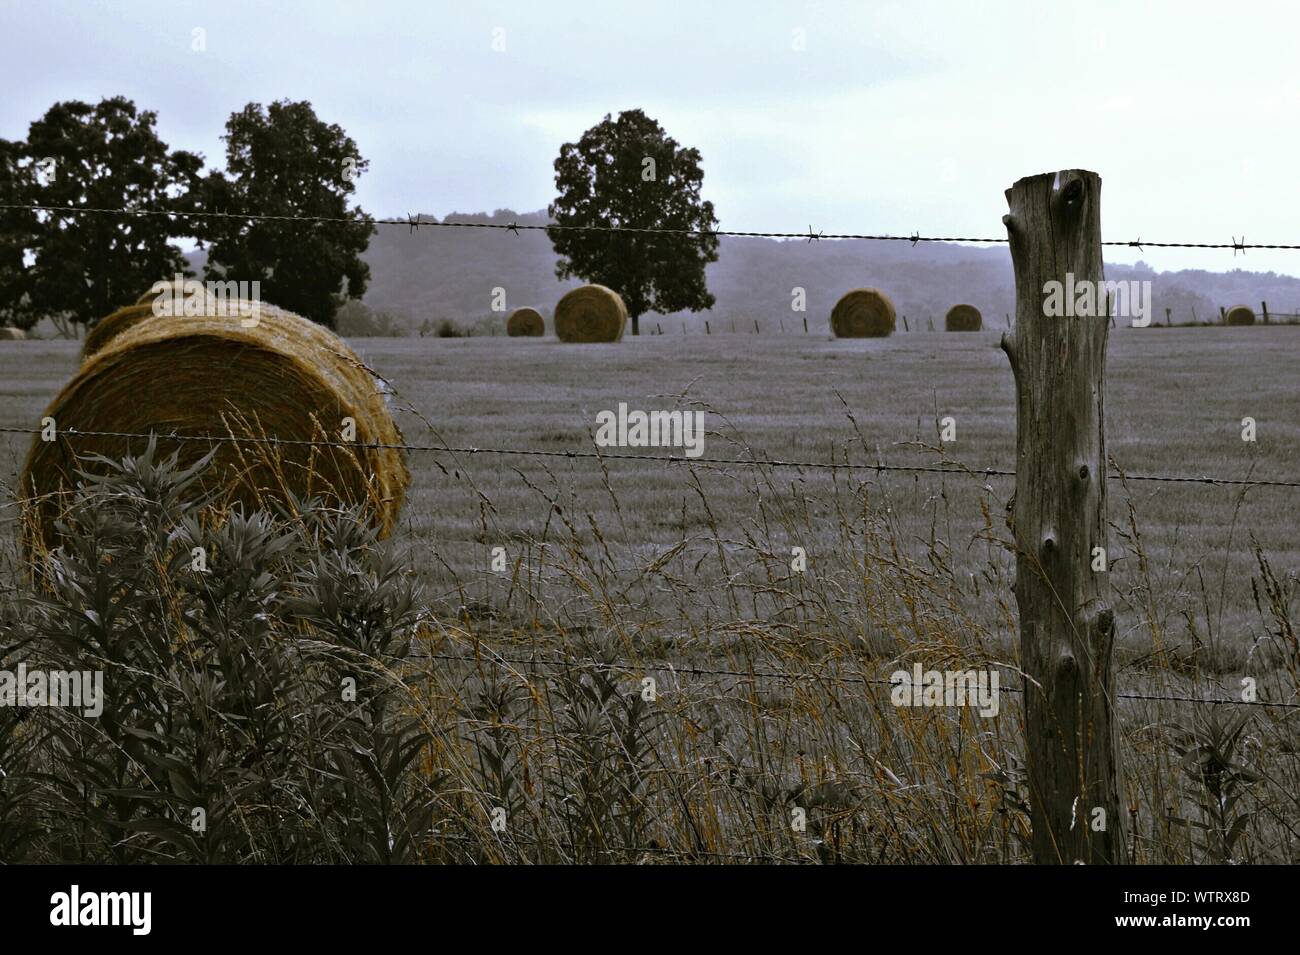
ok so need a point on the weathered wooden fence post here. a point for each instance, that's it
(1059, 521)
(1264, 306)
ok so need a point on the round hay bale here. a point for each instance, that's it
(285, 378)
(525, 322)
(591, 313)
(863, 313)
(12, 334)
(1240, 315)
(963, 318)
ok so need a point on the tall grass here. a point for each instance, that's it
(284, 688)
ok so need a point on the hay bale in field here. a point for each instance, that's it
(286, 378)
(591, 313)
(525, 322)
(12, 334)
(963, 318)
(863, 313)
(1240, 315)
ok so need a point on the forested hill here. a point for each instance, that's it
(434, 273)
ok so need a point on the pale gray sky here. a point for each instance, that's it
(893, 117)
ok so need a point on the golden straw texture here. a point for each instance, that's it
(591, 313)
(1240, 315)
(863, 313)
(963, 318)
(525, 322)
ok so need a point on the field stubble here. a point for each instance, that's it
(769, 683)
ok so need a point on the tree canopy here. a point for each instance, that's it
(284, 161)
(81, 267)
(630, 173)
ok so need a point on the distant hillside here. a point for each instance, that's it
(437, 273)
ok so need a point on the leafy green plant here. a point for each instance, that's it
(605, 756)
(1217, 779)
(223, 647)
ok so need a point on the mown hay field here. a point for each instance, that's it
(683, 571)
(1175, 402)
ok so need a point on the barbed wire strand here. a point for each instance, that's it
(661, 458)
(791, 677)
(417, 222)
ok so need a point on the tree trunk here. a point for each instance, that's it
(636, 324)
(1059, 517)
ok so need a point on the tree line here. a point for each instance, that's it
(281, 160)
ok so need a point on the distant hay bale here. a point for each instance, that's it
(1240, 315)
(863, 313)
(591, 313)
(285, 378)
(525, 322)
(12, 334)
(963, 318)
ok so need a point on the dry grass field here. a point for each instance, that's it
(770, 684)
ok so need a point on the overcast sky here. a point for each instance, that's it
(893, 117)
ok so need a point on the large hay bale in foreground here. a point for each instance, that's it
(12, 334)
(591, 313)
(863, 313)
(526, 323)
(1240, 315)
(286, 378)
(963, 318)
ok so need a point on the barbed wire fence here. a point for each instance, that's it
(670, 666)
(415, 223)
(659, 458)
